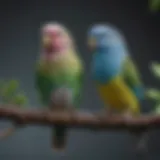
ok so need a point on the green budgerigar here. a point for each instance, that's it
(59, 75)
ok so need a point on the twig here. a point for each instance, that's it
(5, 133)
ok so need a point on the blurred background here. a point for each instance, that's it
(20, 22)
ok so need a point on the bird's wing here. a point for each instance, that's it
(132, 77)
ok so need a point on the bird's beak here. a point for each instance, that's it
(46, 41)
(92, 43)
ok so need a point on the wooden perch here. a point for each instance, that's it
(77, 120)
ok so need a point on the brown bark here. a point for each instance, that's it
(77, 120)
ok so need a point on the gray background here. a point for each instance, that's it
(19, 47)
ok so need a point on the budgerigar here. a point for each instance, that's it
(116, 77)
(59, 75)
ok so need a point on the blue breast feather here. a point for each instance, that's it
(107, 64)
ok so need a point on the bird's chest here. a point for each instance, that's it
(105, 67)
(59, 72)
(57, 68)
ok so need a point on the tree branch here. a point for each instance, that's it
(77, 120)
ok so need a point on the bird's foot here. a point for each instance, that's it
(72, 112)
(102, 116)
(107, 113)
(128, 116)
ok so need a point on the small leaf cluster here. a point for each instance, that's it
(153, 93)
(10, 93)
(154, 5)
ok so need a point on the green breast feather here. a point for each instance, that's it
(46, 83)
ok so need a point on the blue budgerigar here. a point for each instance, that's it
(116, 76)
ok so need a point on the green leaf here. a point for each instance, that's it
(155, 68)
(20, 99)
(157, 109)
(10, 88)
(13, 85)
(154, 5)
(153, 94)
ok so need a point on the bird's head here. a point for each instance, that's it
(102, 36)
(55, 40)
